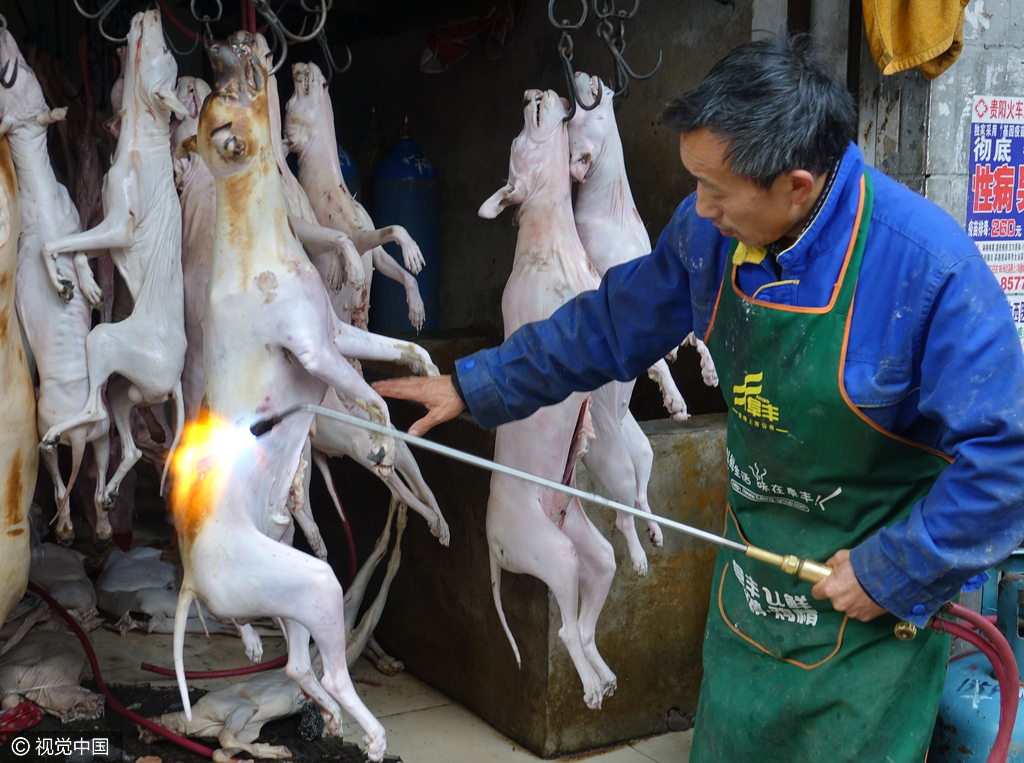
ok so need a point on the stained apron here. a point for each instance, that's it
(787, 678)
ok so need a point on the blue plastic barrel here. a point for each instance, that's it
(405, 193)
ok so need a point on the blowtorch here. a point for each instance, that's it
(805, 569)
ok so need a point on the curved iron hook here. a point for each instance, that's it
(622, 63)
(333, 67)
(608, 7)
(105, 11)
(3, 22)
(190, 51)
(9, 83)
(263, 6)
(206, 19)
(93, 16)
(565, 53)
(279, 33)
(565, 22)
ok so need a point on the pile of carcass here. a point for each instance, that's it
(245, 293)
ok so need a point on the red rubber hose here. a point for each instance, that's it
(155, 728)
(258, 668)
(166, 13)
(993, 645)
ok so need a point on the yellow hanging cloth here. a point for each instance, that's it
(903, 34)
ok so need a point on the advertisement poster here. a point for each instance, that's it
(995, 195)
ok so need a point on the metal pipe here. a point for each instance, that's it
(263, 426)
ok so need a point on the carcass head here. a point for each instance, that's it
(234, 124)
(538, 151)
(590, 131)
(306, 110)
(151, 71)
(192, 92)
(21, 97)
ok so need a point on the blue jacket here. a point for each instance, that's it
(933, 356)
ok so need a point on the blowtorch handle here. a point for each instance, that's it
(813, 572)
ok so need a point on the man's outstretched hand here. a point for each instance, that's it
(437, 393)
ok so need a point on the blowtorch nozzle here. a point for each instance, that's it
(262, 426)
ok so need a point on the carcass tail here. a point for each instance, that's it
(77, 437)
(185, 598)
(496, 591)
(321, 463)
(179, 425)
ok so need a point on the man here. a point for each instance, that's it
(874, 381)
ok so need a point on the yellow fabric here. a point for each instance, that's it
(752, 254)
(903, 34)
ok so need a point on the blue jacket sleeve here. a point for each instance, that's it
(638, 314)
(972, 380)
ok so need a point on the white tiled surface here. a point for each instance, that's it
(423, 725)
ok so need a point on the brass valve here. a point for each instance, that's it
(814, 572)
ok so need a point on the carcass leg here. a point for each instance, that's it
(609, 460)
(671, 397)
(357, 588)
(299, 505)
(642, 456)
(597, 568)
(356, 343)
(65, 531)
(524, 540)
(385, 264)
(250, 640)
(360, 634)
(230, 743)
(122, 396)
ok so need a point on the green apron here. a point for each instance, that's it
(786, 677)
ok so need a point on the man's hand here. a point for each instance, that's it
(845, 591)
(437, 393)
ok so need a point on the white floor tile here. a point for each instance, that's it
(673, 747)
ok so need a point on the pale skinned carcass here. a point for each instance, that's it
(55, 325)
(142, 228)
(309, 131)
(271, 340)
(19, 457)
(531, 529)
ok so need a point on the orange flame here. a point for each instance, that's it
(201, 467)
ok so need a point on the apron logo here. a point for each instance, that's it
(771, 492)
(796, 609)
(752, 408)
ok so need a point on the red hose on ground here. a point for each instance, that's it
(258, 668)
(186, 743)
(993, 645)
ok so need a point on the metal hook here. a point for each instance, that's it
(3, 22)
(9, 83)
(565, 24)
(565, 53)
(102, 14)
(170, 44)
(263, 6)
(332, 67)
(608, 7)
(279, 35)
(206, 19)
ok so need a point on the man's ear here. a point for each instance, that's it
(502, 198)
(802, 184)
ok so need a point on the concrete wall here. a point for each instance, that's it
(465, 119)
(992, 63)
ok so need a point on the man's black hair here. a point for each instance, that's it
(776, 105)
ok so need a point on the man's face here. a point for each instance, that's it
(737, 206)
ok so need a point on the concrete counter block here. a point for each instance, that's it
(440, 617)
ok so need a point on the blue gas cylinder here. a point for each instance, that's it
(349, 170)
(405, 193)
(969, 710)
